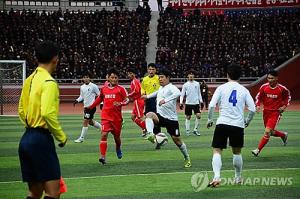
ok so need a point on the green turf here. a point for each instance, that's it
(147, 173)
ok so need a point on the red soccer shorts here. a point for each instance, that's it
(112, 126)
(271, 118)
(138, 108)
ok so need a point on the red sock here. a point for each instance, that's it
(103, 148)
(278, 134)
(117, 139)
(264, 140)
(140, 123)
(62, 186)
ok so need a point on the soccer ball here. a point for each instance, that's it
(161, 139)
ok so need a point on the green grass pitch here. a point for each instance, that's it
(147, 173)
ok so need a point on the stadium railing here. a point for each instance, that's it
(126, 82)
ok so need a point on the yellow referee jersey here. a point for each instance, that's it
(39, 103)
(150, 85)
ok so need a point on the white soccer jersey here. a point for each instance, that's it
(191, 89)
(88, 93)
(169, 93)
(232, 98)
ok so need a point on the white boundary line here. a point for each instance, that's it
(155, 174)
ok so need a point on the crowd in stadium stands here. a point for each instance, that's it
(257, 39)
(90, 41)
(206, 41)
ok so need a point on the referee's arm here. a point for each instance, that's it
(21, 110)
(49, 110)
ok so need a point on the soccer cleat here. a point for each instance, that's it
(150, 137)
(119, 154)
(187, 133)
(144, 133)
(214, 183)
(102, 160)
(284, 139)
(187, 163)
(255, 152)
(158, 146)
(79, 140)
(196, 133)
(238, 180)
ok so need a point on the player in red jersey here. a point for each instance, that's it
(114, 97)
(275, 98)
(139, 104)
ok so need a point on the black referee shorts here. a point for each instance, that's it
(224, 132)
(38, 158)
(150, 105)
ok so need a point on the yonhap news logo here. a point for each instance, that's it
(200, 181)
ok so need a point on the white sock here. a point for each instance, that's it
(197, 122)
(149, 125)
(184, 151)
(83, 132)
(187, 125)
(216, 165)
(97, 125)
(237, 161)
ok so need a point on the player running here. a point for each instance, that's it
(275, 98)
(88, 93)
(114, 97)
(139, 104)
(166, 115)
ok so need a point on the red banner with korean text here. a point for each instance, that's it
(231, 3)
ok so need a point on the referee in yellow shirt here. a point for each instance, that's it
(150, 84)
(38, 111)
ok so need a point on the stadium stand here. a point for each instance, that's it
(90, 41)
(258, 39)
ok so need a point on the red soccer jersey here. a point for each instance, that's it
(135, 89)
(273, 98)
(110, 95)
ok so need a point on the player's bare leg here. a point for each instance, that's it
(187, 124)
(103, 147)
(95, 124)
(35, 189)
(181, 145)
(216, 165)
(237, 162)
(264, 140)
(52, 188)
(197, 123)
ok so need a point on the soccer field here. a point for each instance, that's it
(144, 172)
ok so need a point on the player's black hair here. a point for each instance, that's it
(45, 51)
(191, 71)
(153, 65)
(112, 71)
(164, 72)
(131, 70)
(234, 71)
(86, 73)
(273, 73)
